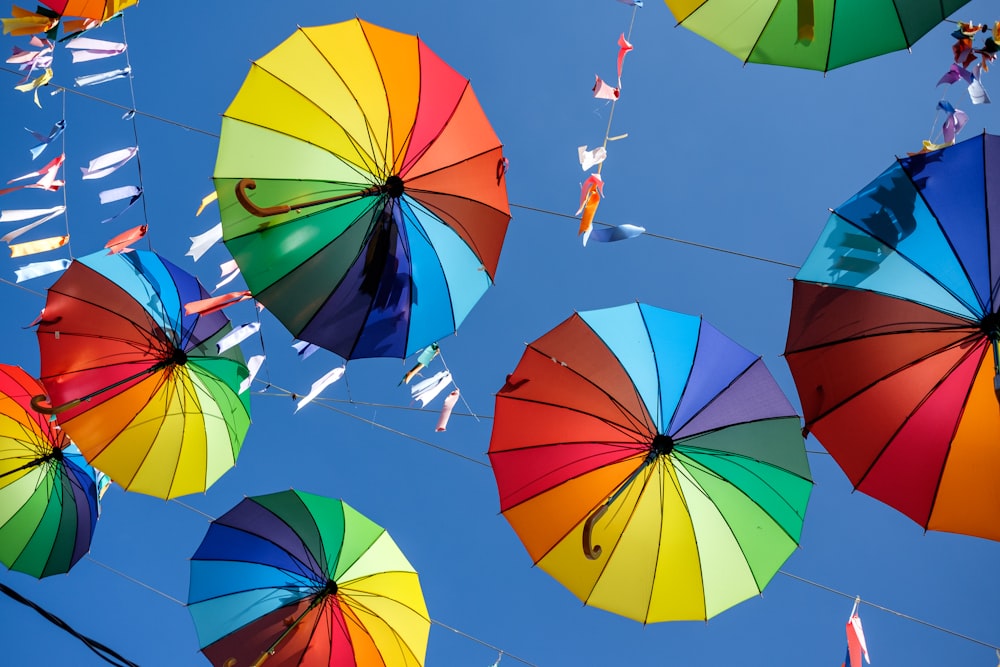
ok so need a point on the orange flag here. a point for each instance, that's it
(210, 305)
(122, 242)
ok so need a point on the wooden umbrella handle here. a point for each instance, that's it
(590, 550)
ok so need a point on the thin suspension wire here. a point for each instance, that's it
(480, 641)
(535, 209)
(370, 422)
(135, 133)
(890, 611)
(65, 194)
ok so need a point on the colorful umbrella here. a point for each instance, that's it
(811, 34)
(100, 10)
(136, 382)
(48, 493)
(649, 463)
(309, 581)
(380, 202)
(893, 338)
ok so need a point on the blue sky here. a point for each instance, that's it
(718, 155)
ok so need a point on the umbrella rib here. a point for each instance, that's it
(359, 146)
(900, 369)
(976, 309)
(353, 602)
(635, 429)
(640, 426)
(973, 332)
(917, 407)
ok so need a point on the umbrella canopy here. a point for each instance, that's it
(48, 494)
(380, 202)
(893, 336)
(306, 581)
(649, 463)
(136, 382)
(100, 10)
(812, 34)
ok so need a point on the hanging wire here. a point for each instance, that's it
(103, 652)
(535, 209)
(135, 132)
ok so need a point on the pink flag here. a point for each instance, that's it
(210, 305)
(623, 47)
(449, 403)
(604, 91)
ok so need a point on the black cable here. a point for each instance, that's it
(103, 652)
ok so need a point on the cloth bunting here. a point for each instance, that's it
(201, 243)
(46, 215)
(17, 215)
(229, 272)
(38, 269)
(205, 201)
(955, 73)
(624, 46)
(591, 158)
(86, 49)
(216, 303)
(102, 77)
(24, 22)
(131, 203)
(253, 365)
(449, 404)
(954, 121)
(425, 357)
(237, 336)
(319, 385)
(109, 163)
(45, 140)
(122, 242)
(605, 91)
(46, 177)
(117, 194)
(856, 645)
(32, 61)
(591, 193)
(619, 233)
(304, 349)
(74, 26)
(35, 247)
(427, 390)
(977, 93)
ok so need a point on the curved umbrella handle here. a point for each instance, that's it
(37, 405)
(241, 194)
(592, 551)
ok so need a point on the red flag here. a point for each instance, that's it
(856, 645)
(210, 305)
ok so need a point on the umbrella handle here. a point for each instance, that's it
(37, 401)
(590, 550)
(267, 211)
(244, 199)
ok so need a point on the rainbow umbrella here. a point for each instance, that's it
(812, 34)
(649, 463)
(894, 333)
(306, 581)
(136, 382)
(48, 494)
(379, 202)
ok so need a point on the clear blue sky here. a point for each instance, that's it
(747, 159)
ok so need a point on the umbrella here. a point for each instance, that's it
(100, 10)
(48, 493)
(380, 203)
(308, 580)
(812, 34)
(649, 463)
(138, 384)
(892, 340)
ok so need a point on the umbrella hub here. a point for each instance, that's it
(394, 186)
(662, 445)
(329, 589)
(177, 358)
(990, 325)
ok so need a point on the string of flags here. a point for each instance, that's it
(592, 188)
(970, 61)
